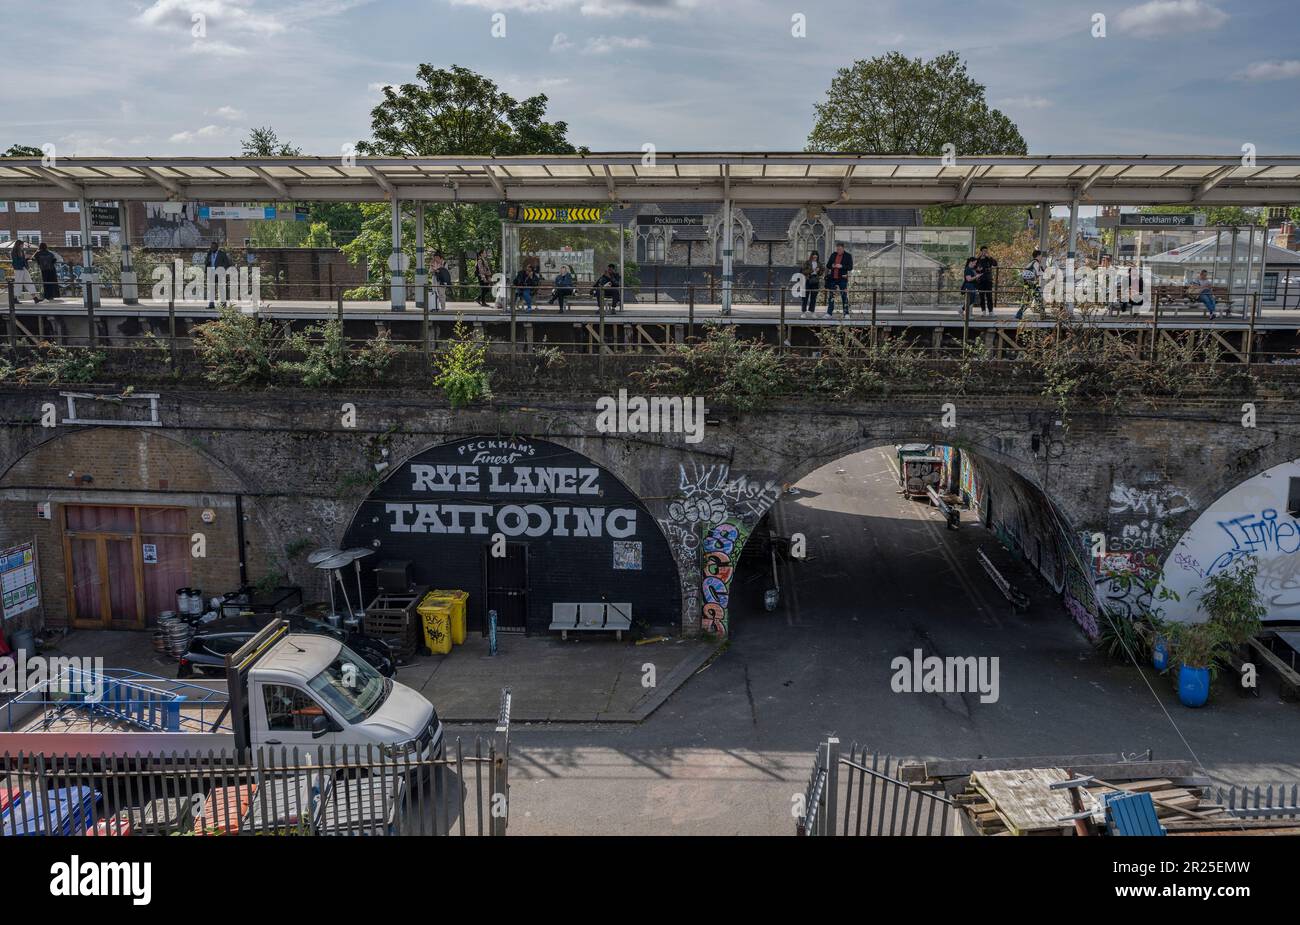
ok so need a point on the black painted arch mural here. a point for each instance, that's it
(584, 535)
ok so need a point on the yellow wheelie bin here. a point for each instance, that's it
(435, 614)
(457, 601)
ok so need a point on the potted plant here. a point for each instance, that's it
(1232, 601)
(1194, 648)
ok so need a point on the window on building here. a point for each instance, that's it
(1270, 287)
(27, 206)
(72, 239)
(4, 205)
(4, 235)
(31, 237)
(652, 246)
(71, 205)
(289, 709)
(737, 243)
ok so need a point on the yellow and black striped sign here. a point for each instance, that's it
(556, 214)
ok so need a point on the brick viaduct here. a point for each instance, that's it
(1139, 477)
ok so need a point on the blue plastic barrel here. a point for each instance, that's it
(1193, 686)
(1160, 654)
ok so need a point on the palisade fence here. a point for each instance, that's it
(858, 794)
(1279, 801)
(353, 790)
(331, 791)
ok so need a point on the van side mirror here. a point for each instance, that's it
(320, 725)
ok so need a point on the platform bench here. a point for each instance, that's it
(599, 617)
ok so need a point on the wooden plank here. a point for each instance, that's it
(1273, 661)
(1024, 798)
(960, 767)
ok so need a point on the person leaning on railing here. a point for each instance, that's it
(812, 271)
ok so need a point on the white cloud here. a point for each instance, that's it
(219, 49)
(199, 134)
(1159, 18)
(561, 42)
(228, 112)
(1271, 70)
(649, 8)
(606, 44)
(1025, 102)
(225, 15)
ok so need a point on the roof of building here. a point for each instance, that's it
(1202, 250)
(776, 178)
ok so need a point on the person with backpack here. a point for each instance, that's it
(1031, 285)
(812, 271)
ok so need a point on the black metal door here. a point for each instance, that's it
(505, 588)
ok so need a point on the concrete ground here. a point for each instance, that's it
(729, 752)
(589, 679)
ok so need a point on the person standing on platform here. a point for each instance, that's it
(48, 263)
(837, 277)
(987, 267)
(483, 273)
(22, 274)
(812, 271)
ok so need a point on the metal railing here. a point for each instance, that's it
(858, 794)
(353, 790)
(1276, 801)
(953, 328)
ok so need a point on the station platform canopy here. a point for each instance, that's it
(754, 178)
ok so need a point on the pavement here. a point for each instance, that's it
(583, 680)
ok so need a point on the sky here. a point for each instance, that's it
(191, 77)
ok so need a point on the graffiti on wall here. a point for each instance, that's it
(1079, 594)
(707, 525)
(1252, 519)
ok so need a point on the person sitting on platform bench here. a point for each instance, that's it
(609, 285)
(563, 285)
(1206, 294)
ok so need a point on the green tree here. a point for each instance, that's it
(318, 236)
(893, 104)
(992, 224)
(449, 111)
(23, 151)
(264, 142)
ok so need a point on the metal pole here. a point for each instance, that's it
(130, 287)
(690, 309)
(726, 256)
(1044, 227)
(88, 274)
(1250, 334)
(421, 275)
(832, 784)
(171, 314)
(600, 346)
(1072, 253)
(781, 346)
(965, 320)
(622, 282)
(397, 281)
(13, 317)
(1155, 327)
(1232, 271)
(875, 297)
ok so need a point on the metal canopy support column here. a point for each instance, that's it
(1232, 270)
(397, 278)
(1073, 251)
(726, 256)
(130, 291)
(421, 276)
(87, 258)
(1044, 227)
(622, 229)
